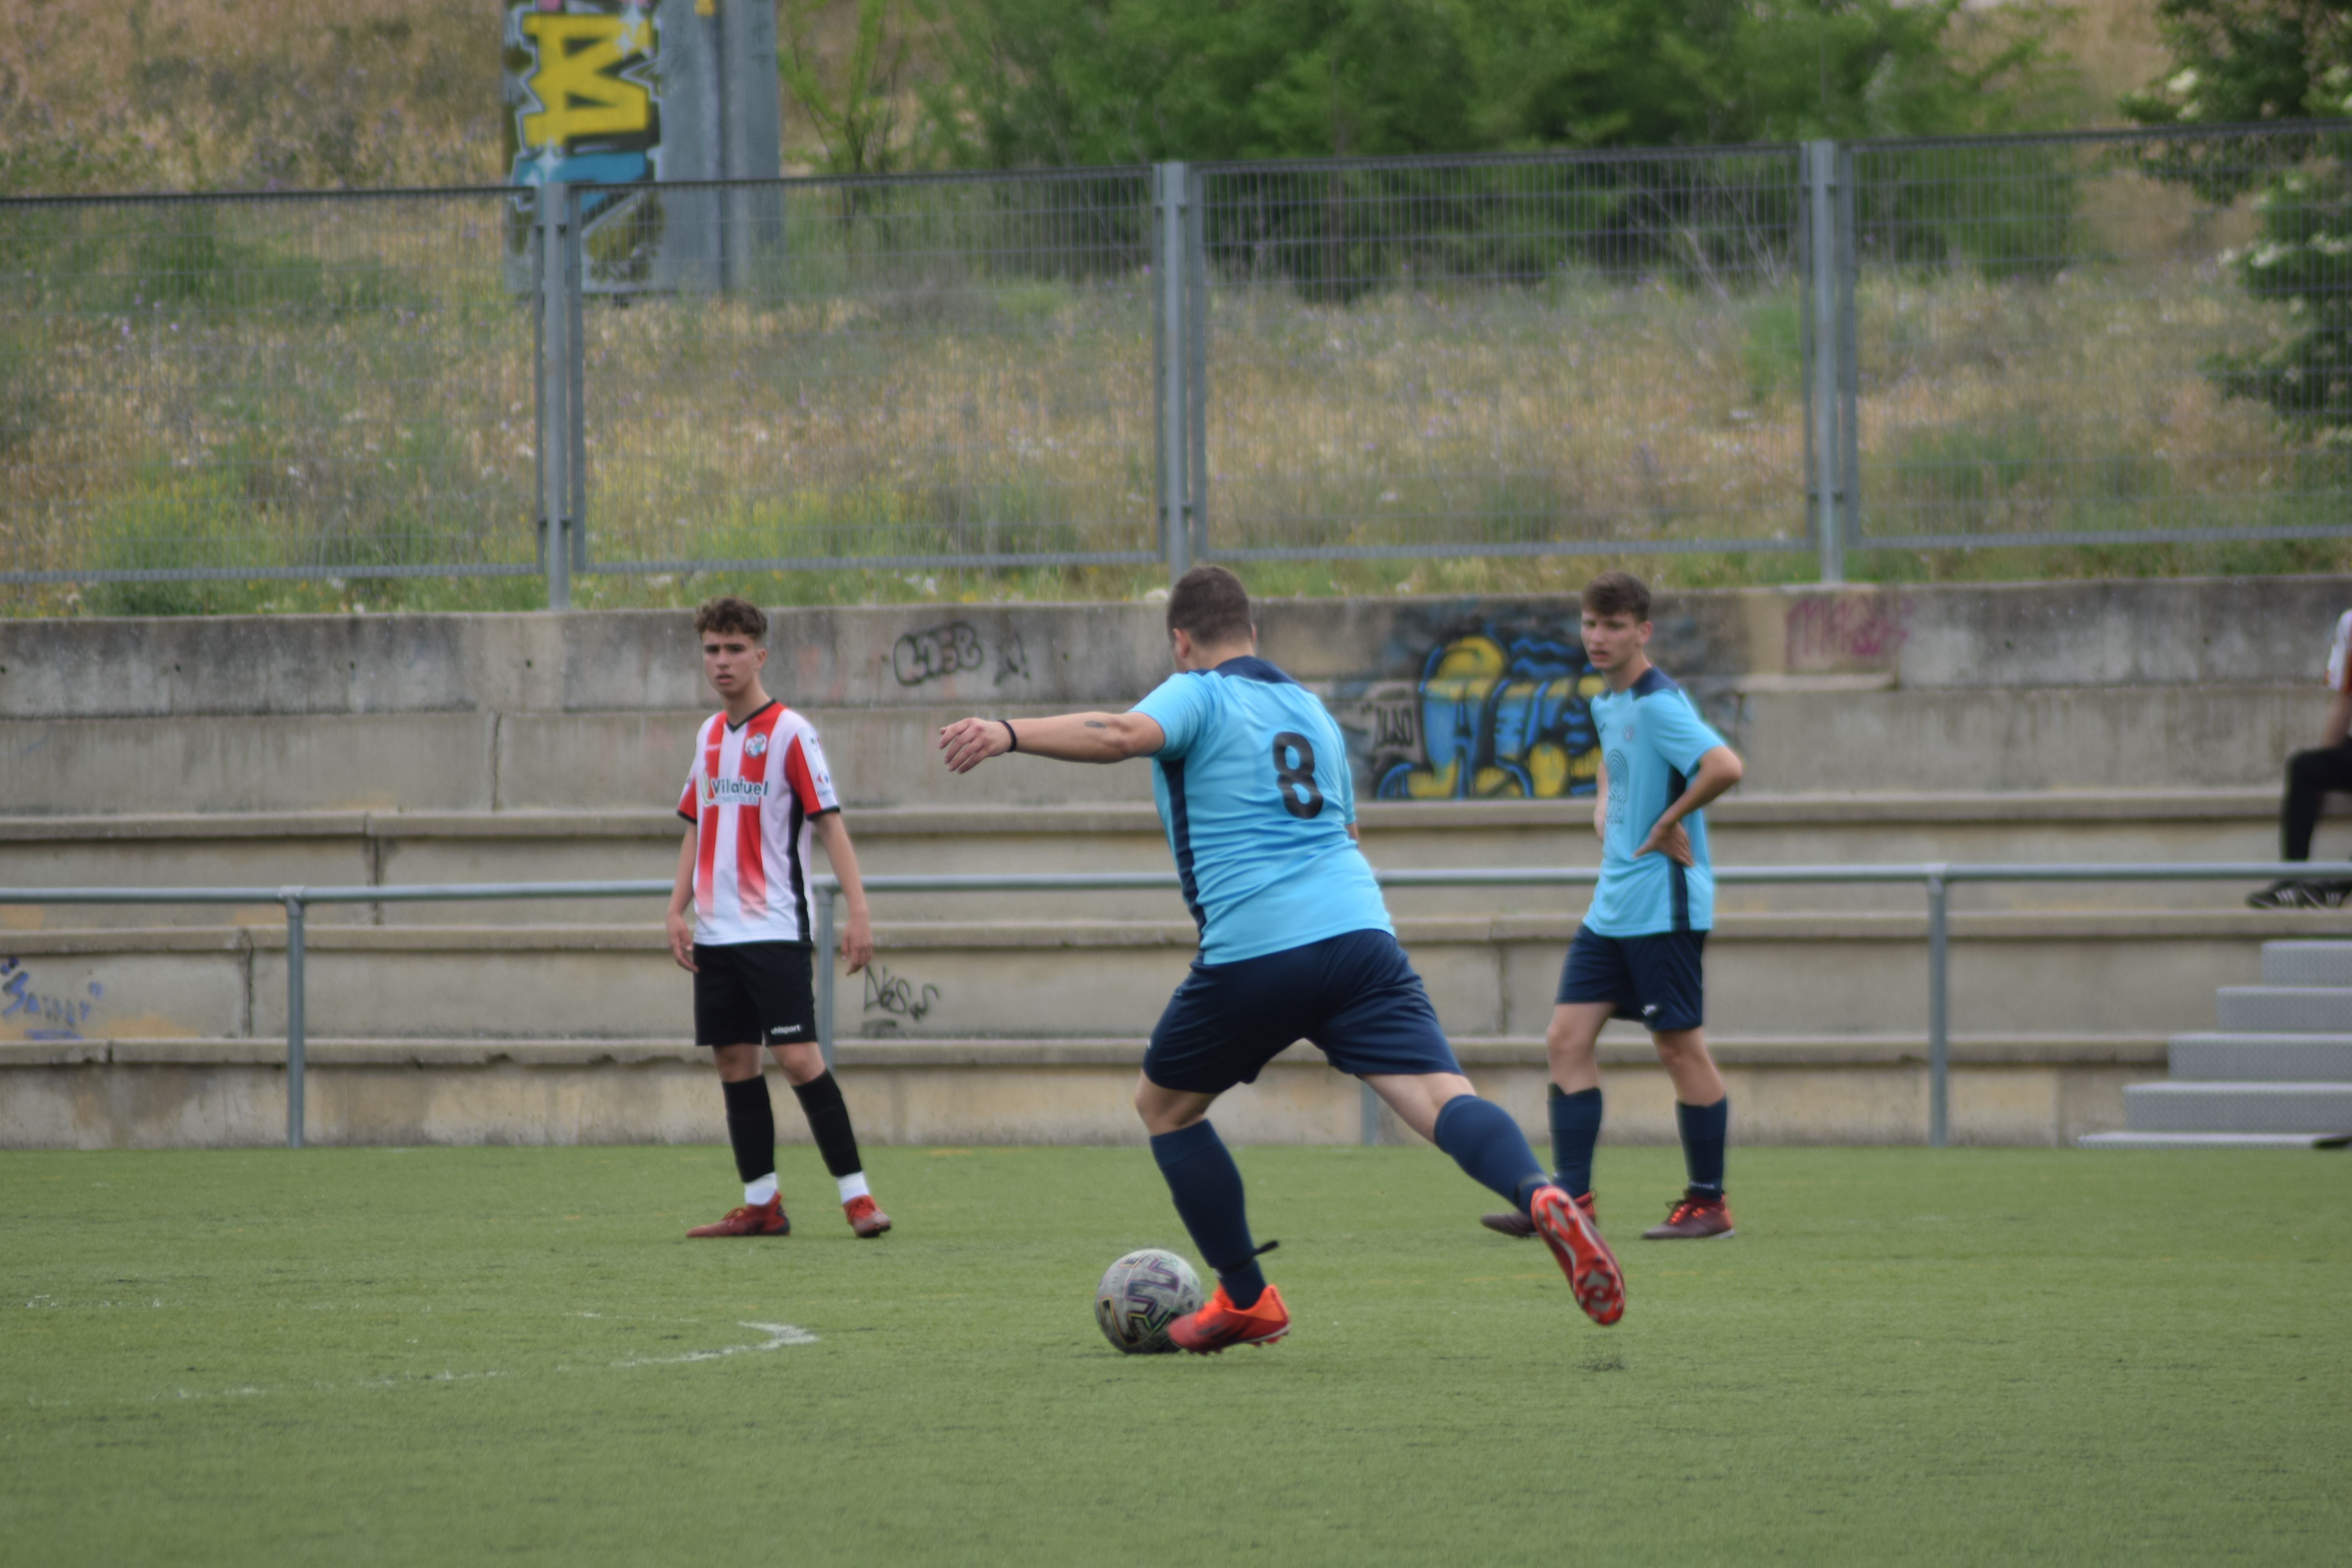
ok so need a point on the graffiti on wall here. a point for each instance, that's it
(1495, 715)
(586, 107)
(41, 1014)
(1833, 632)
(952, 649)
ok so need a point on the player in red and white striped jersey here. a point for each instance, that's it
(757, 796)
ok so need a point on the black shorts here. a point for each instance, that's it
(753, 993)
(1656, 980)
(1354, 995)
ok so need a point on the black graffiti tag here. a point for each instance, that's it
(889, 992)
(942, 651)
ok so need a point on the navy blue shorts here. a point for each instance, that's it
(1653, 980)
(1354, 995)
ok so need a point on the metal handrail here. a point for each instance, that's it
(1936, 877)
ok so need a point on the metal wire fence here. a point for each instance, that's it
(2114, 338)
(262, 387)
(2036, 340)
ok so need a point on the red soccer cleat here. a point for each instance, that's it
(865, 1218)
(1591, 1268)
(1695, 1216)
(1221, 1323)
(1512, 1223)
(751, 1219)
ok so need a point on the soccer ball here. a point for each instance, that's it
(1141, 1295)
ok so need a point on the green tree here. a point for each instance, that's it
(1118, 81)
(2244, 61)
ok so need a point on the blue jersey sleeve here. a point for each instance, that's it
(1680, 735)
(1180, 706)
(1338, 742)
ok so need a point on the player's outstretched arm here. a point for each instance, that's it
(857, 941)
(1065, 737)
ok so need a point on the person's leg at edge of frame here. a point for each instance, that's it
(1703, 1119)
(1206, 1186)
(751, 1131)
(2311, 777)
(1488, 1144)
(819, 1093)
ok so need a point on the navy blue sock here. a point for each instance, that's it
(1488, 1144)
(1575, 1129)
(1703, 1128)
(1207, 1186)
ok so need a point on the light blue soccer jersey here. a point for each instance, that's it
(1256, 796)
(1650, 741)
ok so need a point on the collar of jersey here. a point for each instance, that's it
(1249, 667)
(732, 726)
(1653, 681)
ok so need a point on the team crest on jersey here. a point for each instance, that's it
(1629, 731)
(757, 746)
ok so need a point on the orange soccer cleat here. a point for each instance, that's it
(1512, 1223)
(868, 1220)
(1221, 1323)
(1591, 1268)
(751, 1219)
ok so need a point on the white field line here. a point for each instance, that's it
(779, 1336)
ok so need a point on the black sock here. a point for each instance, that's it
(1489, 1147)
(1207, 1186)
(1703, 1128)
(1575, 1129)
(750, 1126)
(828, 1119)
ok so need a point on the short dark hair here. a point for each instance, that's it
(1210, 606)
(1617, 594)
(728, 614)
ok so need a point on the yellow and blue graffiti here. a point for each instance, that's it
(586, 110)
(1502, 717)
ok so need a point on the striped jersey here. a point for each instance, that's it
(751, 794)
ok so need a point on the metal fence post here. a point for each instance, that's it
(1823, 355)
(1172, 358)
(1848, 253)
(825, 972)
(1196, 364)
(296, 1044)
(553, 375)
(1939, 1043)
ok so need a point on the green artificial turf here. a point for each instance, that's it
(454, 1356)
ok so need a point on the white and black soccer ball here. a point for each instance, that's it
(1141, 1295)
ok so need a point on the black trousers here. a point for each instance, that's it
(2309, 776)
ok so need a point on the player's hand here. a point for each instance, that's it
(971, 741)
(681, 943)
(1669, 840)
(1601, 821)
(856, 944)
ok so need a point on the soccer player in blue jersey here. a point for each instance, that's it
(1255, 793)
(1637, 953)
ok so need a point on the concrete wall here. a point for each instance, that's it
(2072, 685)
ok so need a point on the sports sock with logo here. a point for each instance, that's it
(1488, 1144)
(750, 1126)
(1207, 1186)
(1704, 1128)
(828, 1119)
(1575, 1129)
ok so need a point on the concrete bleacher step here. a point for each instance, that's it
(361, 848)
(2284, 1009)
(2084, 973)
(2216, 1140)
(2278, 1072)
(2262, 1058)
(2307, 964)
(2315, 1108)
